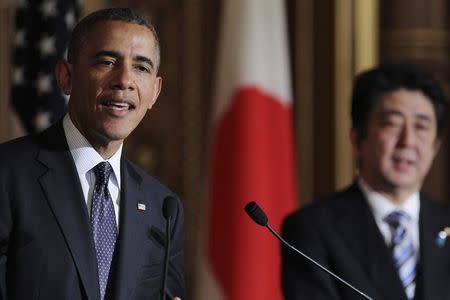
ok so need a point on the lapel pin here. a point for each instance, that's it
(141, 206)
(441, 237)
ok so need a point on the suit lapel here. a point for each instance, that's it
(357, 226)
(127, 257)
(434, 260)
(64, 195)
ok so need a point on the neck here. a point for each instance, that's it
(106, 148)
(396, 195)
(107, 151)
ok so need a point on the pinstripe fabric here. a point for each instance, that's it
(402, 250)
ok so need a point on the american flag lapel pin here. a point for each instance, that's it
(141, 206)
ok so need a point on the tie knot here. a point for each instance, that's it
(397, 218)
(102, 172)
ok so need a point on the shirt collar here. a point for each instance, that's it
(84, 155)
(381, 206)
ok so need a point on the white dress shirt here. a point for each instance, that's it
(86, 158)
(381, 207)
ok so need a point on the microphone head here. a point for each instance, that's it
(256, 213)
(169, 207)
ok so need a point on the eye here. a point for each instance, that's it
(391, 123)
(143, 68)
(107, 62)
(422, 126)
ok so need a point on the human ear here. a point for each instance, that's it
(354, 139)
(156, 91)
(437, 145)
(63, 73)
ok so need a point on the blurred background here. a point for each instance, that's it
(328, 43)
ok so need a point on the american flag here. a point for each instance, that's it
(43, 29)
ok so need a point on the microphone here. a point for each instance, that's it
(259, 217)
(168, 209)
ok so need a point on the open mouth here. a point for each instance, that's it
(404, 161)
(118, 105)
(405, 157)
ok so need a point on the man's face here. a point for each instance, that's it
(112, 82)
(400, 143)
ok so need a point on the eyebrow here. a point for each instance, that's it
(424, 117)
(420, 116)
(115, 54)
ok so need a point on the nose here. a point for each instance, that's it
(123, 78)
(407, 136)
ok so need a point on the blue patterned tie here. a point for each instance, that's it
(103, 223)
(403, 250)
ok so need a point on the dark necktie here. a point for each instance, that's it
(403, 250)
(103, 223)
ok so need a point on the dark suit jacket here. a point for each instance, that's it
(45, 234)
(341, 233)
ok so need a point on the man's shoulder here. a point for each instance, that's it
(51, 138)
(17, 147)
(434, 207)
(333, 204)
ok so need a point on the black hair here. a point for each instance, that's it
(82, 29)
(371, 85)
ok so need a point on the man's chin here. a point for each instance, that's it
(115, 133)
(406, 183)
(105, 137)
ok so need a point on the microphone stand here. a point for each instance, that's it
(166, 258)
(168, 210)
(316, 263)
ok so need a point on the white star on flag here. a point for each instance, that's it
(69, 18)
(42, 120)
(48, 8)
(44, 83)
(18, 76)
(20, 38)
(22, 4)
(47, 46)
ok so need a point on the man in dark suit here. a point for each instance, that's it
(77, 219)
(380, 233)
